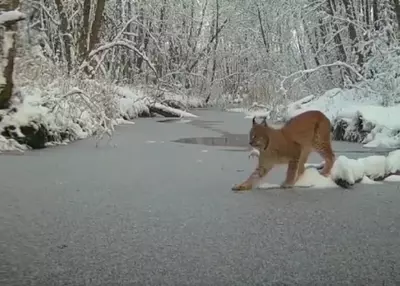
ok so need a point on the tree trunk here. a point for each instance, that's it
(9, 52)
(262, 30)
(214, 66)
(352, 32)
(83, 39)
(97, 22)
(64, 31)
(397, 10)
(375, 13)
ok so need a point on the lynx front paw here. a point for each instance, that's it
(242, 187)
(324, 173)
(286, 185)
(254, 153)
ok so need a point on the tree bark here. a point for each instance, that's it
(83, 39)
(97, 22)
(397, 10)
(9, 53)
(64, 30)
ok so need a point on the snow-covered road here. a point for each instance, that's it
(156, 212)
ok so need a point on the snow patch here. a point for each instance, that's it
(10, 16)
(392, 164)
(393, 178)
(132, 102)
(312, 177)
(349, 170)
(373, 166)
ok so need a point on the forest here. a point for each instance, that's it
(272, 52)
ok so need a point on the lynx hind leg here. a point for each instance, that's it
(323, 146)
(291, 174)
(302, 161)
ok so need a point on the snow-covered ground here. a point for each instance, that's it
(345, 171)
(366, 120)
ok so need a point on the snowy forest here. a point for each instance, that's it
(101, 62)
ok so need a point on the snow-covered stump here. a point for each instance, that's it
(9, 21)
(339, 128)
(354, 129)
(34, 135)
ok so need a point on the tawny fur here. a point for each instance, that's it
(291, 145)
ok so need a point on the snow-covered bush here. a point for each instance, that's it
(52, 107)
(356, 115)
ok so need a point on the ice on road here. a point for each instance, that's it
(164, 214)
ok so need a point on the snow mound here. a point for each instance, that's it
(310, 179)
(392, 164)
(393, 178)
(346, 172)
(132, 102)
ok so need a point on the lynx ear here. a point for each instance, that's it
(254, 120)
(264, 121)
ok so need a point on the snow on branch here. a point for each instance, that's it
(11, 17)
(299, 74)
(125, 44)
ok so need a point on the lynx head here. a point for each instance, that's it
(258, 134)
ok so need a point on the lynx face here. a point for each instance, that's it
(258, 138)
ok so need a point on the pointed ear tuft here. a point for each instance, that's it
(264, 121)
(254, 120)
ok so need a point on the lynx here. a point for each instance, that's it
(291, 145)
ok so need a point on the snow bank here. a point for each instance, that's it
(356, 116)
(55, 115)
(346, 172)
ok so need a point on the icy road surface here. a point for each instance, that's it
(156, 212)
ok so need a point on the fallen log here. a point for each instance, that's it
(167, 111)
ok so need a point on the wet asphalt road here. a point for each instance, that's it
(156, 212)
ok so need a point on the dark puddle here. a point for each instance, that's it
(169, 120)
(241, 141)
(190, 121)
(231, 140)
